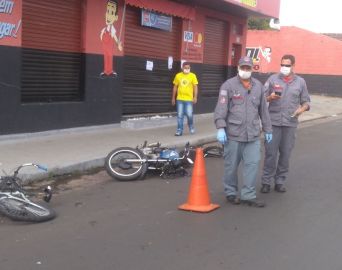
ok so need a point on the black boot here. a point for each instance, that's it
(233, 199)
(253, 203)
(280, 188)
(265, 188)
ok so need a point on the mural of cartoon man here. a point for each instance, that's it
(109, 38)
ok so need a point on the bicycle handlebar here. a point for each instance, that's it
(41, 167)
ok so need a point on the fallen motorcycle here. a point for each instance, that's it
(126, 163)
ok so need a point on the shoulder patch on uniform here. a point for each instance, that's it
(223, 100)
(223, 93)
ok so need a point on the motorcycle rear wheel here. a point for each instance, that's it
(118, 167)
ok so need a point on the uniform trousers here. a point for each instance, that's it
(234, 153)
(277, 155)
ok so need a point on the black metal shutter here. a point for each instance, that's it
(149, 91)
(51, 44)
(215, 57)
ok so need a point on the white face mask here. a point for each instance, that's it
(245, 74)
(186, 70)
(285, 71)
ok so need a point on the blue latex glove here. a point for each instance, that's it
(221, 136)
(268, 137)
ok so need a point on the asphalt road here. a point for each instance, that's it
(103, 224)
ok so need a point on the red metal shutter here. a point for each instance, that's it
(149, 91)
(215, 57)
(51, 45)
(149, 42)
(52, 25)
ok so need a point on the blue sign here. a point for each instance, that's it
(156, 20)
(188, 36)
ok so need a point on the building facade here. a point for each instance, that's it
(73, 63)
(317, 56)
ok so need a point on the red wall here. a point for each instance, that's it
(93, 14)
(315, 53)
(193, 51)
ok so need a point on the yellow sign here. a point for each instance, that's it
(251, 3)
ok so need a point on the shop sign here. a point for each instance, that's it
(156, 20)
(8, 29)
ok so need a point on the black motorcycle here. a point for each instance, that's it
(126, 163)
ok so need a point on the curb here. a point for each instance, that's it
(97, 163)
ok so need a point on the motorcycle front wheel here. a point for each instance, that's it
(125, 164)
(19, 210)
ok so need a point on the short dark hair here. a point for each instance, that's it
(116, 4)
(290, 57)
(186, 64)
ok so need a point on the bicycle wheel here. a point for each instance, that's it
(213, 151)
(119, 166)
(28, 211)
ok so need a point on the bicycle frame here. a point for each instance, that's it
(17, 205)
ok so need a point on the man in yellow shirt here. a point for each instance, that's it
(185, 95)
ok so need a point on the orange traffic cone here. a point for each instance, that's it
(199, 199)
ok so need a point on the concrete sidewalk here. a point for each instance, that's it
(79, 149)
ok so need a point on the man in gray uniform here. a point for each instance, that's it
(288, 98)
(240, 106)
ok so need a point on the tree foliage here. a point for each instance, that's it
(259, 24)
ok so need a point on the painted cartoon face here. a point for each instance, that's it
(111, 14)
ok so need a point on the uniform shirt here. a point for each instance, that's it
(294, 93)
(185, 84)
(239, 111)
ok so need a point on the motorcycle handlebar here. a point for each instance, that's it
(155, 144)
